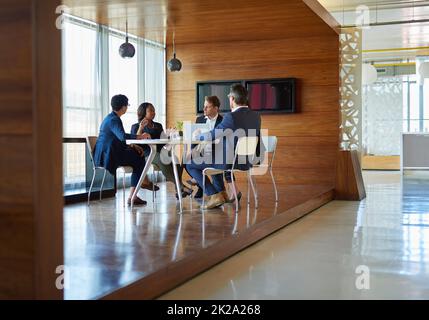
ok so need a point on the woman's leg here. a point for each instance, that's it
(167, 169)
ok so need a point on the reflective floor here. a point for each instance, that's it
(375, 249)
(106, 246)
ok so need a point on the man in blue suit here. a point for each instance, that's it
(213, 118)
(111, 150)
(241, 121)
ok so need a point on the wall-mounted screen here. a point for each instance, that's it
(276, 95)
(214, 88)
(265, 95)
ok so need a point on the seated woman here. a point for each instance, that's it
(145, 114)
(111, 150)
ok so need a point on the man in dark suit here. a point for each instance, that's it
(241, 121)
(111, 150)
(213, 118)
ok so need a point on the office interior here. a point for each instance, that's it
(346, 196)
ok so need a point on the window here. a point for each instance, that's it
(405, 105)
(426, 106)
(93, 72)
(414, 107)
(82, 113)
(154, 90)
(123, 79)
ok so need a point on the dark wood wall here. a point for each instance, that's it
(31, 151)
(308, 140)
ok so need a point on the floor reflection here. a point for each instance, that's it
(107, 246)
(317, 257)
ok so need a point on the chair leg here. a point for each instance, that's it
(248, 187)
(153, 189)
(253, 185)
(274, 184)
(92, 184)
(102, 183)
(156, 182)
(123, 185)
(204, 189)
(234, 189)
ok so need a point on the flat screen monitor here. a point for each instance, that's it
(276, 95)
(214, 88)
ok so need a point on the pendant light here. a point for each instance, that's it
(127, 50)
(174, 65)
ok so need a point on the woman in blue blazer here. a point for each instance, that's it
(111, 150)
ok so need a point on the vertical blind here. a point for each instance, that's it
(93, 72)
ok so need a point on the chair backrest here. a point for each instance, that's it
(246, 146)
(90, 144)
(270, 143)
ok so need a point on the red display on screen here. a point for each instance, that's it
(272, 95)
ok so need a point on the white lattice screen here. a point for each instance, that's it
(350, 90)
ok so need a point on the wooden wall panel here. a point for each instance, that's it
(30, 146)
(16, 72)
(207, 21)
(308, 140)
(16, 167)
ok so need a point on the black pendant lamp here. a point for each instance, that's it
(127, 50)
(174, 65)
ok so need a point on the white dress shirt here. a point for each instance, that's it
(212, 125)
(211, 122)
(239, 107)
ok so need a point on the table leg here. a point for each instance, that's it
(176, 177)
(144, 173)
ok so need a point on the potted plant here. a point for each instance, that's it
(179, 127)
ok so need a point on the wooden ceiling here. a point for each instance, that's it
(201, 21)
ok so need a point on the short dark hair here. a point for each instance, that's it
(213, 100)
(141, 110)
(239, 93)
(118, 102)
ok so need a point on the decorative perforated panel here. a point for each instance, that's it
(350, 90)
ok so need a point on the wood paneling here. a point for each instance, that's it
(381, 163)
(48, 148)
(317, 7)
(308, 139)
(107, 247)
(349, 182)
(30, 161)
(206, 21)
(179, 271)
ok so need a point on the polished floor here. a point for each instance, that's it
(325, 254)
(107, 247)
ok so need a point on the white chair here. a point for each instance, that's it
(270, 143)
(90, 143)
(246, 147)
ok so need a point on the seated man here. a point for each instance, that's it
(240, 120)
(213, 118)
(111, 150)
